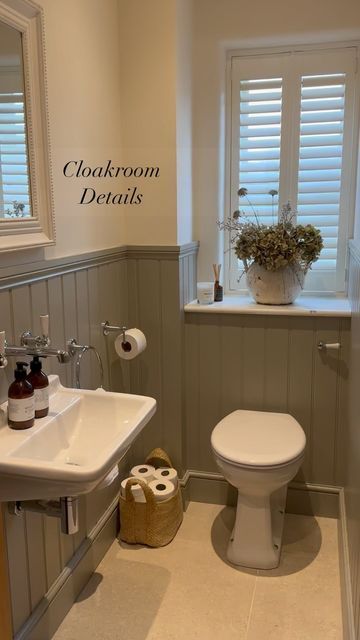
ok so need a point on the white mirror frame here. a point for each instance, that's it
(39, 230)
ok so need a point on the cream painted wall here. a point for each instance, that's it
(83, 68)
(82, 47)
(148, 113)
(119, 88)
(184, 121)
(230, 24)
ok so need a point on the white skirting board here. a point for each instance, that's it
(303, 498)
(57, 602)
(345, 578)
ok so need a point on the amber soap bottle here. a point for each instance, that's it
(40, 383)
(21, 400)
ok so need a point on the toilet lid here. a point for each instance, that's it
(258, 438)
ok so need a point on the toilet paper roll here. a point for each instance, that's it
(162, 489)
(136, 490)
(110, 478)
(167, 473)
(144, 471)
(135, 343)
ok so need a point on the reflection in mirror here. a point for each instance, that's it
(14, 175)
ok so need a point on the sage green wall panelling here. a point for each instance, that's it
(342, 424)
(160, 283)
(268, 363)
(6, 375)
(352, 442)
(150, 322)
(147, 290)
(83, 323)
(77, 301)
(327, 372)
(154, 307)
(171, 360)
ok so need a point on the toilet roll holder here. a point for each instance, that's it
(111, 328)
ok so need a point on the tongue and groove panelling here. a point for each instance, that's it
(77, 300)
(268, 363)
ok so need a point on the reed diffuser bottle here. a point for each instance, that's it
(218, 290)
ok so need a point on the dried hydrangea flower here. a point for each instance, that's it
(242, 192)
(273, 192)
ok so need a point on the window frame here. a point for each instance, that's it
(352, 115)
(27, 17)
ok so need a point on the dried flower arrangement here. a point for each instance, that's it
(273, 246)
(16, 212)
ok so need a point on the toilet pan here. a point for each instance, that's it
(258, 453)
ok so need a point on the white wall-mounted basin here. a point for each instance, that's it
(71, 450)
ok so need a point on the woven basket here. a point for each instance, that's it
(152, 523)
(158, 458)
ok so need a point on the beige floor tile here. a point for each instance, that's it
(188, 591)
(305, 534)
(119, 602)
(183, 591)
(298, 601)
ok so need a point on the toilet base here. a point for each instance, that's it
(257, 535)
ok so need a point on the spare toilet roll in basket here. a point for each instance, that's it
(155, 521)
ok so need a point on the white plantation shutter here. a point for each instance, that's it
(292, 130)
(320, 160)
(259, 143)
(14, 181)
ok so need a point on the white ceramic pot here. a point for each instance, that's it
(275, 287)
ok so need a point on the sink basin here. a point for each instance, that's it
(71, 450)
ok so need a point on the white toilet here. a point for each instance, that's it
(258, 453)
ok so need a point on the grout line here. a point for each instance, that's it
(251, 606)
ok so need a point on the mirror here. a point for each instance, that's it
(14, 175)
(26, 203)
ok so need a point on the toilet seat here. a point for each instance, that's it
(258, 439)
(254, 467)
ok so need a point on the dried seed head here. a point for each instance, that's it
(242, 192)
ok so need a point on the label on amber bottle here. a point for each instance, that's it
(41, 398)
(21, 409)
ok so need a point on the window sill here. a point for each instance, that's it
(304, 306)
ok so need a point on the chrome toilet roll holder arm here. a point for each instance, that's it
(111, 328)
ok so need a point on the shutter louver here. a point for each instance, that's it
(320, 159)
(259, 144)
(14, 182)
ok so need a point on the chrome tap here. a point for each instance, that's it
(32, 345)
(62, 355)
(37, 342)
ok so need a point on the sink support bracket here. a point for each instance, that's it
(67, 509)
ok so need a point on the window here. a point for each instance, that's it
(292, 130)
(14, 181)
